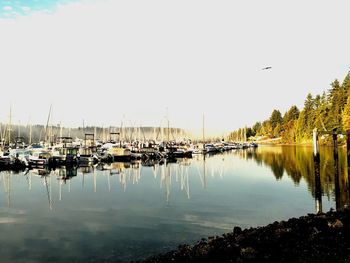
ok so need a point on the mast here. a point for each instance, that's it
(121, 132)
(95, 135)
(61, 130)
(139, 133)
(162, 132)
(47, 123)
(19, 129)
(9, 127)
(30, 133)
(167, 113)
(0, 133)
(203, 138)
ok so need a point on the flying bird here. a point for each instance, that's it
(266, 68)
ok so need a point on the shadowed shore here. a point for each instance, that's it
(322, 237)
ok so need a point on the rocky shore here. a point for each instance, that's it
(322, 237)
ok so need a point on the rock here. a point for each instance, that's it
(312, 238)
(237, 230)
(336, 224)
(248, 253)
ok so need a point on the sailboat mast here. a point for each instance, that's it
(95, 135)
(121, 132)
(19, 128)
(168, 131)
(9, 128)
(47, 124)
(203, 138)
(167, 113)
(30, 134)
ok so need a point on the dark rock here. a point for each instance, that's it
(311, 238)
(237, 230)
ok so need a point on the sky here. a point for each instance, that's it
(146, 62)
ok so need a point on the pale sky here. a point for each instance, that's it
(107, 60)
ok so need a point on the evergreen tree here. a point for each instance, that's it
(266, 128)
(250, 132)
(291, 114)
(256, 128)
(346, 116)
(337, 99)
(324, 112)
(301, 126)
(276, 118)
(321, 111)
(309, 103)
(346, 84)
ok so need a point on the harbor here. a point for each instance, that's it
(174, 131)
(109, 145)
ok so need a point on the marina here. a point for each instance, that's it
(174, 131)
(57, 150)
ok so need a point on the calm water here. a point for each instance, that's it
(124, 212)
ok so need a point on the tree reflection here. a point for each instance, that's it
(297, 163)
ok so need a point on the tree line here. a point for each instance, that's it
(40, 133)
(326, 112)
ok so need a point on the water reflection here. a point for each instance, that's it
(126, 211)
(168, 174)
(328, 178)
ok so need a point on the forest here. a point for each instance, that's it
(327, 112)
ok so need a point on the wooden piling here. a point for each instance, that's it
(315, 145)
(335, 144)
(336, 169)
(348, 158)
(318, 191)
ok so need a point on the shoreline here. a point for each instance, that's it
(306, 144)
(323, 237)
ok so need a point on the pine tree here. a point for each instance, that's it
(291, 114)
(256, 128)
(276, 118)
(346, 116)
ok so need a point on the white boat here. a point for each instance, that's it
(39, 158)
(119, 154)
(22, 155)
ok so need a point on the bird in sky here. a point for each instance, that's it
(266, 68)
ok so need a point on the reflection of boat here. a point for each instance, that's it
(117, 165)
(152, 162)
(41, 172)
(85, 169)
(66, 172)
